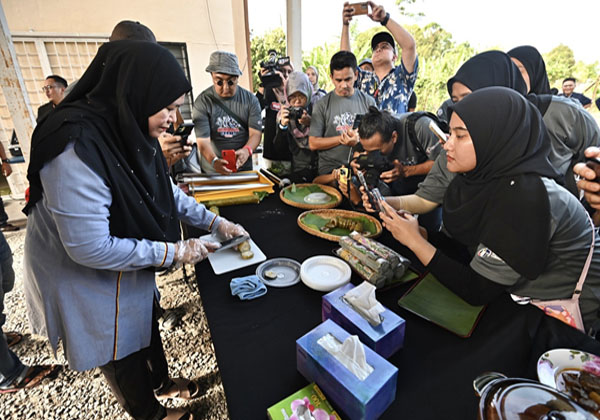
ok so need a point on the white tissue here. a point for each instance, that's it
(351, 354)
(362, 300)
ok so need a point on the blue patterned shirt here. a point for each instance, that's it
(391, 93)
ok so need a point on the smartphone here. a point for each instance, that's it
(594, 164)
(361, 8)
(229, 243)
(357, 120)
(229, 156)
(363, 181)
(184, 130)
(377, 198)
(438, 132)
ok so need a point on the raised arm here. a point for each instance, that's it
(404, 39)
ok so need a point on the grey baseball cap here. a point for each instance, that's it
(224, 62)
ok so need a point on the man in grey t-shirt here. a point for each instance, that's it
(331, 131)
(226, 116)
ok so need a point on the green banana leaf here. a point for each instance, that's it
(317, 222)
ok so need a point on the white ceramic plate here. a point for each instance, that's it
(325, 273)
(553, 362)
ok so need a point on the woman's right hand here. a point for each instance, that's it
(194, 250)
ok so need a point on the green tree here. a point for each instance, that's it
(260, 46)
(560, 62)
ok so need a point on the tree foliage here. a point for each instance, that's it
(560, 63)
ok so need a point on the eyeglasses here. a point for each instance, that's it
(48, 87)
(230, 82)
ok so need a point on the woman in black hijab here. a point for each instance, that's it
(526, 234)
(532, 67)
(103, 215)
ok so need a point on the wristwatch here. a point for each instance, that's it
(5, 161)
(385, 19)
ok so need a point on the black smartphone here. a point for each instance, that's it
(594, 164)
(363, 182)
(378, 198)
(184, 130)
(229, 243)
(357, 120)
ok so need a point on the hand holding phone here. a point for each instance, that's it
(594, 164)
(361, 8)
(229, 156)
(438, 132)
(184, 130)
(372, 201)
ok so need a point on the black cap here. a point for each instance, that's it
(382, 37)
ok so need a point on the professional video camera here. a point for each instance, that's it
(272, 63)
(373, 163)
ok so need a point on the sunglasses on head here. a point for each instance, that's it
(230, 82)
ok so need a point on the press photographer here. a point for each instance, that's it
(294, 126)
(274, 72)
(397, 154)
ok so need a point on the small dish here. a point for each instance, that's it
(325, 273)
(286, 272)
(552, 363)
(316, 198)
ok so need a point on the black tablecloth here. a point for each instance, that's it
(255, 340)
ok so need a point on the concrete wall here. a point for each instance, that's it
(204, 26)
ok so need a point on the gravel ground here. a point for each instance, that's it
(85, 395)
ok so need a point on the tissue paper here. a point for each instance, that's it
(350, 354)
(362, 299)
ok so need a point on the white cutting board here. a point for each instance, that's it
(230, 259)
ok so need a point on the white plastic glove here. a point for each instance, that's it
(228, 230)
(193, 250)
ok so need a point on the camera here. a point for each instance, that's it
(373, 164)
(295, 113)
(272, 63)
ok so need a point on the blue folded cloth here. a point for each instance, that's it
(247, 288)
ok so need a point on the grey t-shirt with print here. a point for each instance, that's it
(210, 120)
(331, 116)
(570, 240)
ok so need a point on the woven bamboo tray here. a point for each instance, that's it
(307, 206)
(330, 213)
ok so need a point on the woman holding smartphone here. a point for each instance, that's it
(526, 234)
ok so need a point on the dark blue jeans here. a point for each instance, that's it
(3, 215)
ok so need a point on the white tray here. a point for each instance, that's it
(230, 259)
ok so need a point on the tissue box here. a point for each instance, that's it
(386, 338)
(357, 399)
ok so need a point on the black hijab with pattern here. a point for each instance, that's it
(106, 115)
(502, 203)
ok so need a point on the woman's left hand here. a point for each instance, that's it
(403, 226)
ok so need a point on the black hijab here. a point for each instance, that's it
(533, 62)
(490, 68)
(106, 115)
(502, 203)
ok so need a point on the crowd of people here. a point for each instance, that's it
(505, 183)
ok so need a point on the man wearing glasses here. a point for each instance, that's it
(390, 85)
(54, 88)
(226, 116)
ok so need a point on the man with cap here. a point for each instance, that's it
(226, 116)
(54, 88)
(390, 86)
(366, 64)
